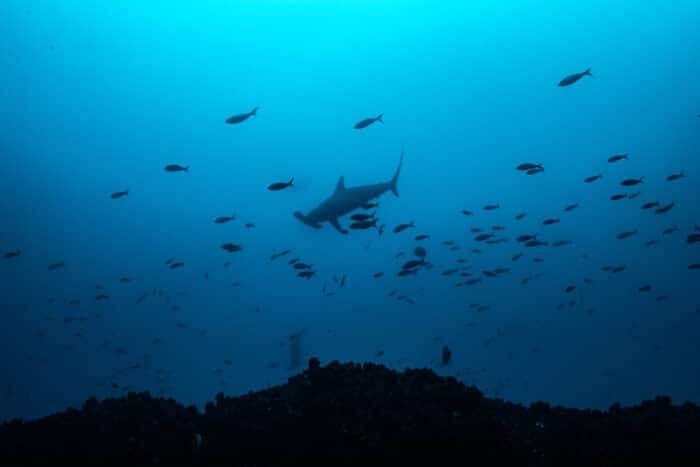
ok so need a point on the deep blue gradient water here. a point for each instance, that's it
(99, 97)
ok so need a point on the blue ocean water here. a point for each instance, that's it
(98, 97)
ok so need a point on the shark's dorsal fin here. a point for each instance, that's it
(340, 186)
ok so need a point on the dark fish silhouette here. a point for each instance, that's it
(550, 221)
(632, 181)
(242, 117)
(571, 79)
(12, 254)
(280, 185)
(645, 288)
(694, 266)
(119, 194)
(592, 178)
(670, 230)
(176, 265)
(363, 225)
(368, 121)
(618, 196)
(673, 177)
(529, 166)
(466, 212)
(176, 168)
(231, 247)
(362, 217)
(570, 289)
(491, 207)
(520, 216)
(571, 207)
(626, 234)
(281, 253)
(482, 237)
(377, 275)
(650, 205)
(420, 252)
(617, 158)
(665, 209)
(224, 219)
(54, 266)
(402, 227)
(422, 237)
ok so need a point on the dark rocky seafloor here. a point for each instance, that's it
(351, 414)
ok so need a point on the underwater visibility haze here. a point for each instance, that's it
(200, 196)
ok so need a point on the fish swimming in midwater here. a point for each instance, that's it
(231, 247)
(645, 288)
(281, 185)
(533, 171)
(420, 252)
(377, 275)
(559, 243)
(673, 177)
(176, 265)
(529, 166)
(281, 253)
(119, 194)
(224, 219)
(535, 243)
(422, 237)
(368, 121)
(12, 254)
(306, 274)
(362, 217)
(694, 266)
(618, 196)
(571, 79)
(491, 207)
(625, 234)
(54, 266)
(670, 230)
(570, 289)
(592, 178)
(665, 209)
(402, 227)
(516, 257)
(363, 225)
(176, 168)
(617, 158)
(520, 216)
(482, 237)
(571, 207)
(550, 221)
(242, 117)
(632, 181)
(634, 195)
(467, 212)
(650, 205)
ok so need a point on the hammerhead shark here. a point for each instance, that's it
(344, 200)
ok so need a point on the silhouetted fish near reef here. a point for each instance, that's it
(617, 158)
(571, 79)
(242, 117)
(368, 121)
(281, 185)
(119, 194)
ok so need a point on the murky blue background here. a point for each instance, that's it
(98, 97)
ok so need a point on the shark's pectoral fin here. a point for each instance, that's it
(336, 226)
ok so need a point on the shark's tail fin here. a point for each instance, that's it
(254, 111)
(379, 118)
(588, 72)
(395, 179)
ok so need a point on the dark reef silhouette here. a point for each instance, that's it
(352, 414)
